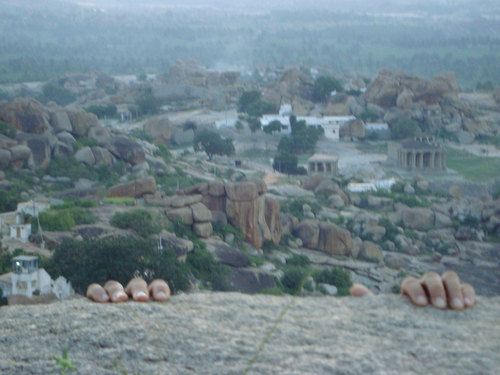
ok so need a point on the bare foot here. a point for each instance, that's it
(136, 288)
(440, 291)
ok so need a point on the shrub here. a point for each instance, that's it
(139, 221)
(222, 230)
(119, 258)
(294, 207)
(298, 260)
(60, 220)
(204, 267)
(391, 231)
(337, 276)
(293, 279)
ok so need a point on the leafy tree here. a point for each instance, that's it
(146, 103)
(323, 87)
(404, 128)
(251, 102)
(117, 258)
(103, 111)
(254, 124)
(274, 126)
(58, 94)
(213, 144)
(286, 162)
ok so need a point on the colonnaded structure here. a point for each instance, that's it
(323, 164)
(418, 154)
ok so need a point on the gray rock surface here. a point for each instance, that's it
(220, 333)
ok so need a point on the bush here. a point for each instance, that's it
(54, 221)
(391, 231)
(337, 276)
(294, 207)
(139, 221)
(58, 94)
(298, 260)
(293, 279)
(405, 128)
(222, 230)
(119, 258)
(204, 267)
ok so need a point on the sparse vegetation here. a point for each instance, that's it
(140, 221)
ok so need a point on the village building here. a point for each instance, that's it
(323, 164)
(418, 154)
(26, 279)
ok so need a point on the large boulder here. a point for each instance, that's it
(308, 232)
(81, 121)
(20, 153)
(102, 156)
(371, 252)
(40, 148)
(159, 128)
(100, 134)
(334, 240)
(127, 150)
(85, 155)
(201, 213)
(203, 230)
(134, 189)
(182, 214)
(181, 246)
(241, 191)
(417, 218)
(227, 255)
(250, 280)
(60, 121)
(272, 216)
(27, 115)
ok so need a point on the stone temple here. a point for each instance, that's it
(418, 154)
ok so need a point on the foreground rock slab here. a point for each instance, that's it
(220, 333)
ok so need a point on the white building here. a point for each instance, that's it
(33, 208)
(26, 278)
(330, 124)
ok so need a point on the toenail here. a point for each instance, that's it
(457, 302)
(467, 301)
(140, 294)
(119, 294)
(439, 302)
(421, 300)
(161, 295)
(104, 297)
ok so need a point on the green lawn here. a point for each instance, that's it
(471, 167)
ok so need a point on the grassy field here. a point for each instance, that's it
(471, 167)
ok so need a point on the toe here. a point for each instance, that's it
(469, 295)
(433, 284)
(358, 290)
(453, 290)
(115, 291)
(138, 290)
(159, 290)
(412, 288)
(96, 293)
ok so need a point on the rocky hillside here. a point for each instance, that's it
(214, 333)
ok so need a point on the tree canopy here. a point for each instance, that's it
(251, 102)
(213, 144)
(274, 126)
(323, 87)
(405, 128)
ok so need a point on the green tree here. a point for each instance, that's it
(274, 126)
(404, 128)
(251, 102)
(117, 258)
(213, 144)
(58, 94)
(286, 162)
(323, 87)
(254, 124)
(146, 103)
